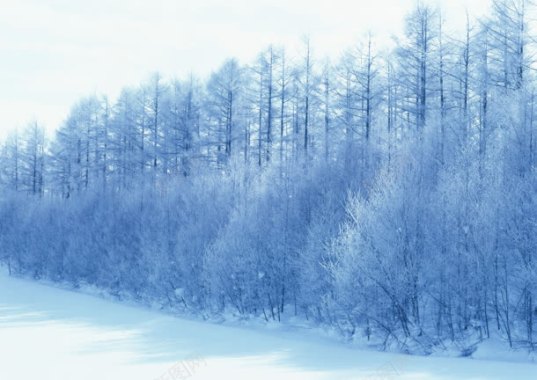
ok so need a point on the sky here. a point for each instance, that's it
(53, 52)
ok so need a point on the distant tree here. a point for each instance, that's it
(224, 89)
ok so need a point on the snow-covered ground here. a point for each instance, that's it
(53, 334)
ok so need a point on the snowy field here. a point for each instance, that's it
(53, 334)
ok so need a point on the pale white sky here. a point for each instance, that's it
(52, 52)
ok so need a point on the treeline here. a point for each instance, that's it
(391, 196)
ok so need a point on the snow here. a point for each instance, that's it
(50, 333)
